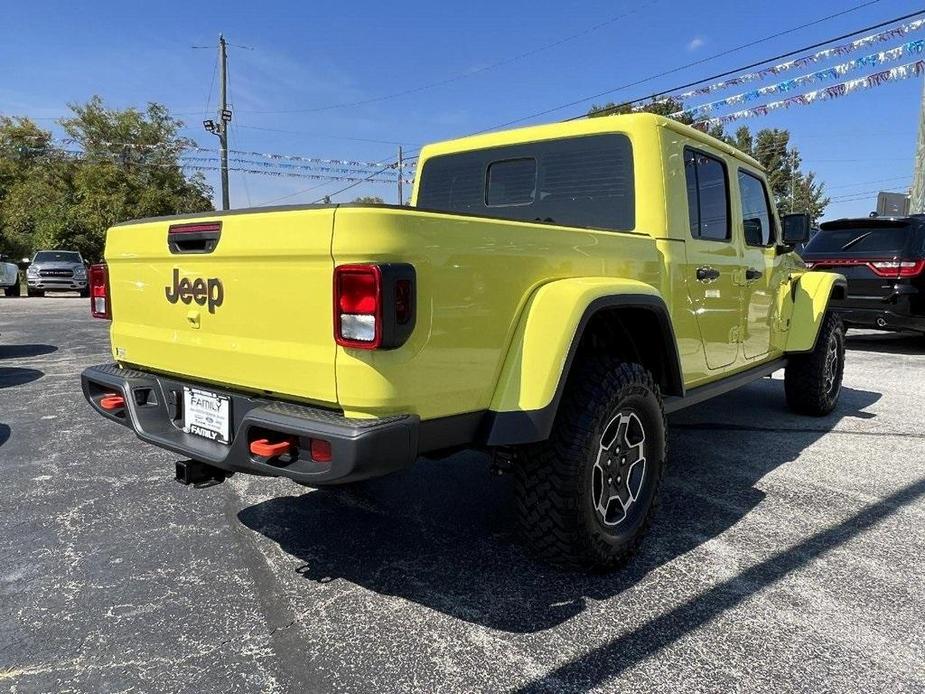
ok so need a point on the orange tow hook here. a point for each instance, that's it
(265, 449)
(111, 401)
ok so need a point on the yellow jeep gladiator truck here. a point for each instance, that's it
(550, 294)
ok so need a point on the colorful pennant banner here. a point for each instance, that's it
(909, 49)
(820, 56)
(878, 79)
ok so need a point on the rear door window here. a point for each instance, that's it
(579, 181)
(756, 211)
(861, 240)
(707, 195)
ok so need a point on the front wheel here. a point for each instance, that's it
(35, 292)
(812, 381)
(585, 497)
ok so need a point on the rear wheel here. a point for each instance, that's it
(12, 290)
(585, 497)
(812, 381)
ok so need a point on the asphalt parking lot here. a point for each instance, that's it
(787, 554)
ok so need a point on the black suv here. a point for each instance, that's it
(883, 259)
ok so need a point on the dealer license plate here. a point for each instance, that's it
(206, 414)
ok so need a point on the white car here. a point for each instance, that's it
(9, 277)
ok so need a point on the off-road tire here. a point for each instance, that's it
(812, 381)
(555, 479)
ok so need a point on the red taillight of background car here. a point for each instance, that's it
(358, 306)
(891, 269)
(897, 269)
(99, 292)
(374, 305)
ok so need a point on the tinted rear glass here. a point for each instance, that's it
(579, 181)
(861, 240)
(57, 257)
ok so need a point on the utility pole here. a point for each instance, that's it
(401, 173)
(917, 199)
(793, 181)
(219, 128)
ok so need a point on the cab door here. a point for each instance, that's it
(714, 258)
(764, 270)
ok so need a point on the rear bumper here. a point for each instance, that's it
(880, 318)
(360, 448)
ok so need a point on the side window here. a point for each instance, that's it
(707, 196)
(511, 182)
(757, 220)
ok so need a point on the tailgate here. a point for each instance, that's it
(254, 312)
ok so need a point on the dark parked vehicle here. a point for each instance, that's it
(883, 259)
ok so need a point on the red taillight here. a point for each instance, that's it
(891, 269)
(898, 268)
(358, 306)
(321, 451)
(99, 292)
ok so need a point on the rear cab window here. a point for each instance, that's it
(585, 181)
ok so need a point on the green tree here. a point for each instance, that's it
(370, 200)
(791, 188)
(126, 165)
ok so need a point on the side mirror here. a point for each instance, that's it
(795, 229)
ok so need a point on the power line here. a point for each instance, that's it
(205, 111)
(864, 183)
(321, 185)
(704, 60)
(471, 73)
(333, 137)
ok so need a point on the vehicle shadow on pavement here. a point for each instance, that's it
(442, 534)
(614, 657)
(4, 434)
(12, 377)
(25, 351)
(889, 343)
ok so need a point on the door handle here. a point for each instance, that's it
(752, 274)
(707, 274)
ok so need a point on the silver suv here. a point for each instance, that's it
(57, 271)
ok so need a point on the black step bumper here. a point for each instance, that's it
(880, 318)
(360, 448)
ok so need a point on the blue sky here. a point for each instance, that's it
(304, 56)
